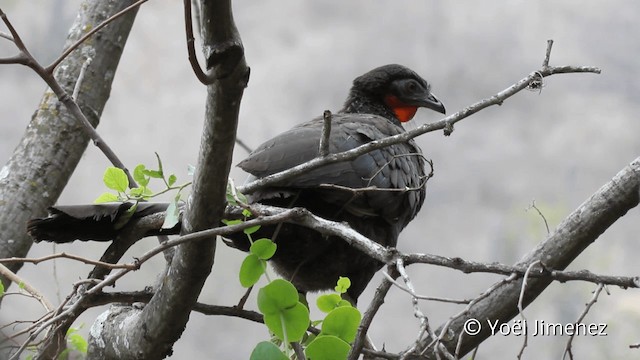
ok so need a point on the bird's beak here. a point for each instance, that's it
(432, 102)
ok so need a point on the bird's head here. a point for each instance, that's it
(393, 90)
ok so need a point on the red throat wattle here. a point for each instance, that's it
(403, 111)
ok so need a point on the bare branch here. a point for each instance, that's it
(243, 145)
(75, 45)
(323, 149)
(4, 35)
(76, 89)
(424, 297)
(546, 224)
(4, 271)
(204, 78)
(594, 299)
(370, 313)
(525, 340)
(65, 256)
(547, 57)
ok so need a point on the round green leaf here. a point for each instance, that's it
(251, 270)
(267, 351)
(327, 347)
(343, 284)
(276, 296)
(342, 322)
(115, 179)
(263, 248)
(295, 320)
(172, 179)
(139, 176)
(328, 302)
(251, 230)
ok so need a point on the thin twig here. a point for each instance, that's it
(525, 340)
(243, 145)
(370, 313)
(594, 299)
(4, 35)
(204, 78)
(83, 69)
(75, 45)
(14, 260)
(546, 224)
(547, 57)
(323, 149)
(424, 297)
(417, 312)
(10, 275)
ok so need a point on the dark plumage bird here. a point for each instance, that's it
(379, 101)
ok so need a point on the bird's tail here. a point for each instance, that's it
(99, 222)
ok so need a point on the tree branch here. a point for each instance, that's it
(154, 329)
(572, 236)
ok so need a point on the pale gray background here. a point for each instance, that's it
(556, 147)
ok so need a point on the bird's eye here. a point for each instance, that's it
(412, 86)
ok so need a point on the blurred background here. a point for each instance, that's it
(556, 147)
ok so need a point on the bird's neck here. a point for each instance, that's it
(361, 103)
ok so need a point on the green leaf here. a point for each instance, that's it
(267, 351)
(231, 199)
(242, 197)
(294, 321)
(263, 248)
(342, 322)
(153, 173)
(1, 289)
(277, 295)
(172, 216)
(251, 270)
(106, 197)
(326, 303)
(116, 179)
(232, 222)
(139, 176)
(278, 301)
(76, 341)
(21, 285)
(140, 192)
(172, 179)
(246, 213)
(251, 230)
(343, 284)
(327, 347)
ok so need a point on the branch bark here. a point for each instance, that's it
(128, 332)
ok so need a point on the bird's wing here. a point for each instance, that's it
(396, 167)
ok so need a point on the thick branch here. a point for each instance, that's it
(572, 236)
(151, 332)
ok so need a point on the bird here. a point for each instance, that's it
(377, 194)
